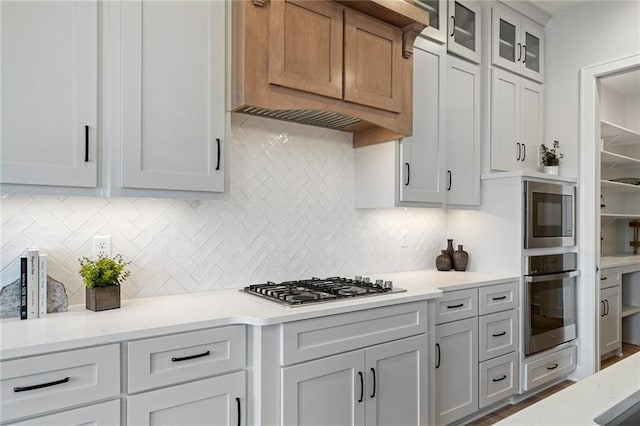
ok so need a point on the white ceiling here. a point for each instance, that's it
(556, 6)
(627, 83)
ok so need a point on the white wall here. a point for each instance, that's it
(290, 215)
(588, 34)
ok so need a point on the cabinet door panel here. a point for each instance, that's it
(463, 132)
(372, 55)
(305, 49)
(457, 370)
(49, 93)
(505, 106)
(205, 402)
(173, 95)
(324, 392)
(105, 414)
(398, 396)
(464, 29)
(610, 320)
(531, 123)
(437, 28)
(506, 48)
(422, 154)
(533, 48)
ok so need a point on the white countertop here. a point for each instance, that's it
(152, 316)
(580, 403)
(619, 261)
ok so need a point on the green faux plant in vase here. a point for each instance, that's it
(550, 158)
(102, 278)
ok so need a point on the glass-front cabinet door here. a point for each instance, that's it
(463, 33)
(532, 49)
(437, 9)
(517, 44)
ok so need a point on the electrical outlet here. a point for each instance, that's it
(101, 246)
(404, 239)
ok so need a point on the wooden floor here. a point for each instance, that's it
(505, 412)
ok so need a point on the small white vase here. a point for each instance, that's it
(551, 170)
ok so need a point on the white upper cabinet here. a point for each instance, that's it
(463, 132)
(463, 35)
(173, 91)
(437, 28)
(516, 122)
(422, 154)
(49, 88)
(517, 44)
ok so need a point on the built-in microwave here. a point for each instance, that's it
(549, 215)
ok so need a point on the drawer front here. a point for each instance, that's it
(105, 414)
(320, 337)
(497, 298)
(610, 278)
(498, 334)
(549, 367)
(48, 382)
(499, 379)
(456, 305)
(167, 360)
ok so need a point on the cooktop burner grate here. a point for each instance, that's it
(315, 290)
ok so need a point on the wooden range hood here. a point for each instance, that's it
(345, 65)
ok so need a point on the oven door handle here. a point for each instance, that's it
(541, 278)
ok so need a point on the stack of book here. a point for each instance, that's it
(33, 284)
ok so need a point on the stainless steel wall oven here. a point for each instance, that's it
(549, 301)
(549, 215)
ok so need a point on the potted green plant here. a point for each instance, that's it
(550, 158)
(102, 278)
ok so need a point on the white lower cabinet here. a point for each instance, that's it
(219, 401)
(456, 370)
(380, 385)
(476, 353)
(104, 414)
(610, 319)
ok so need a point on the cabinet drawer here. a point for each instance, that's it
(48, 382)
(498, 298)
(610, 278)
(182, 357)
(320, 337)
(549, 367)
(498, 379)
(105, 414)
(498, 334)
(456, 305)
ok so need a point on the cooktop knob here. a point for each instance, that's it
(379, 283)
(357, 278)
(388, 284)
(367, 280)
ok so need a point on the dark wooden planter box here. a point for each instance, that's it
(103, 298)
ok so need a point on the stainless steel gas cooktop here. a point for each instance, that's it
(315, 290)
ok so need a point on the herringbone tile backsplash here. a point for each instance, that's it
(290, 215)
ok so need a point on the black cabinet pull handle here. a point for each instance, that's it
(218, 162)
(186, 358)
(504, 376)
(408, 174)
(373, 373)
(519, 151)
(524, 54)
(239, 411)
(86, 144)
(437, 355)
(495, 299)
(519, 52)
(459, 305)
(361, 386)
(604, 278)
(453, 26)
(524, 152)
(499, 334)
(552, 367)
(604, 308)
(606, 302)
(450, 180)
(40, 386)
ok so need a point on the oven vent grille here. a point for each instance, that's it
(331, 120)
